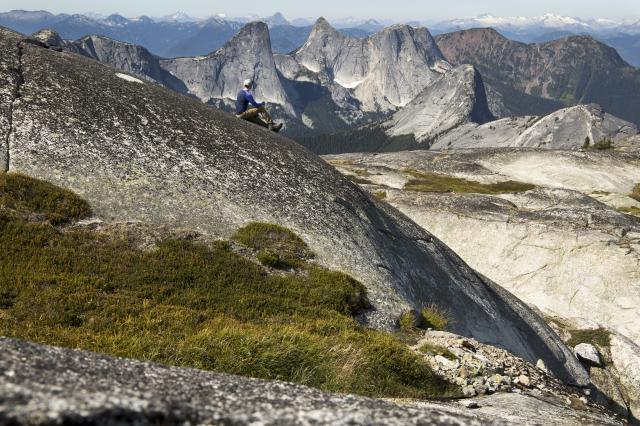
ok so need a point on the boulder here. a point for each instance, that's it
(47, 385)
(588, 354)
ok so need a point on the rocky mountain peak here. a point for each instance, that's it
(277, 19)
(220, 74)
(322, 26)
(254, 33)
(457, 98)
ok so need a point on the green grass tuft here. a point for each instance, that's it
(32, 197)
(433, 182)
(200, 306)
(381, 195)
(599, 336)
(408, 322)
(276, 245)
(435, 317)
(429, 348)
(603, 144)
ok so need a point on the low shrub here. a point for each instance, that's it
(635, 194)
(276, 246)
(34, 197)
(381, 195)
(435, 317)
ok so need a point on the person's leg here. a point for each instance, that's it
(266, 117)
(253, 115)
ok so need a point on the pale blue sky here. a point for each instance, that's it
(380, 9)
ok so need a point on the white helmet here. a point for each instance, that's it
(248, 82)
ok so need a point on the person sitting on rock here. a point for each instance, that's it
(258, 114)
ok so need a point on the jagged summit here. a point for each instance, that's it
(385, 70)
(322, 27)
(220, 75)
(137, 151)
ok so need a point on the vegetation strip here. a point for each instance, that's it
(188, 304)
(433, 182)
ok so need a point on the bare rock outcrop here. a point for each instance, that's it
(46, 385)
(385, 70)
(220, 74)
(457, 98)
(569, 128)
(137, 151)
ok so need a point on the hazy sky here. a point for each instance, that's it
(380, 9)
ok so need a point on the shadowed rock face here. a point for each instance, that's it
(574, 70)
(124, 56)
(455, 99)
(136, 151)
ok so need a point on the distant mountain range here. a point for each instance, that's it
(623, 36)
(174, 35)
(179, 34)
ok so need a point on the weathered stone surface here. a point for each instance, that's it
(568, 128)
(136, 151)
(386, 70)
(625, 355)
(588, 354)
(536, 244)
(457, 98)
(45, 385)
(9, 83)
(522, 409)
(220, 75)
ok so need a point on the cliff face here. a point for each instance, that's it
(137, 151)
(220, 74)
(385, 70)
(571, 70)
(457, 98)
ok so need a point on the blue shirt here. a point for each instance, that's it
(244, 99)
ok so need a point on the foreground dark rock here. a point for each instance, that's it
(45, 385)
(137, 151)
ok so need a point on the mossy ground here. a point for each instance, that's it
(429, 348)
(275, 245)
(433, 182)
(599, 336)
(193, 305)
